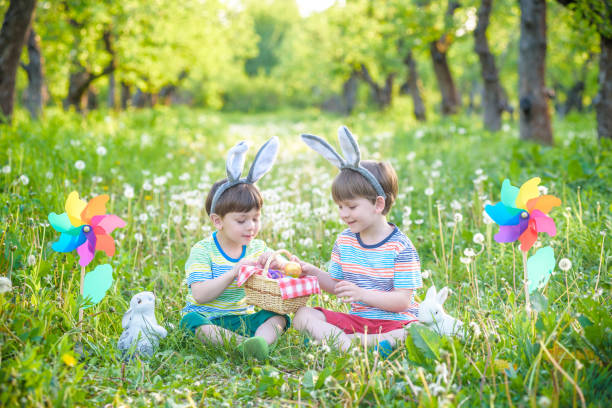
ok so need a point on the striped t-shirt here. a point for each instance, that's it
(391, 264)
(208, 261)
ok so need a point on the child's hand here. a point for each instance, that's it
(349, 292)
(236, 268)
(263, 258)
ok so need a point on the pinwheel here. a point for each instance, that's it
(85, 227)
(522, 213)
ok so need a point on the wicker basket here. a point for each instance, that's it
(264, 292)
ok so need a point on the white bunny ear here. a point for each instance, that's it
(127, 317)
(431, 293)
(349, 146)
(442, 295)
(264, 160)
(235, 161)
(324, 149)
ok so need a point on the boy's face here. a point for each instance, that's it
(359, 213)
(239, 227)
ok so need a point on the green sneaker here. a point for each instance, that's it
(254, 347)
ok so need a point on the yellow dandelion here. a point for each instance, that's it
(148, 198)
(69, 360)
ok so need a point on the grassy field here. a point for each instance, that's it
(157, 166)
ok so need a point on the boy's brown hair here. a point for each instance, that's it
(349, 184)
(242, 197)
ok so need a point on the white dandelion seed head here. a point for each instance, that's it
(469, 252)
(5, 284)
(128, 191)
(6, 169)
(79, 165)
(147, 186)
(138, 237)
(478, 238)
(101, 151)
(565, 264)
(466, 260)
(543, 190)
(458, 217)
(426, 274)
(32, 259)
(143, 217)
(429, 191)
(25, 180)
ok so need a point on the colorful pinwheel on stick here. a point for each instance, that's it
(522, 213)
(86, 227)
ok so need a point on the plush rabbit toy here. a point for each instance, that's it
(432, 314)
(235, 163)
(139, 325)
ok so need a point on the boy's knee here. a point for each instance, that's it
(302, 316)
(278, 321)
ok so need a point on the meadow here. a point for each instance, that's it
(157, 166)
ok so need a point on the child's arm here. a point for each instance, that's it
(325, 281)
(208, 290)
(395, 301)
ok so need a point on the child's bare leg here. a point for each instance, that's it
(271, 329)
(209, 333)
(373, 339)
(313, 322)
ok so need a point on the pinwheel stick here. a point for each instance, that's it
(81, 290)
(525, 281)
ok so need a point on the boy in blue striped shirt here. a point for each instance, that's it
(374, 266)
(216, 309)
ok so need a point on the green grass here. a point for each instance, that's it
(559, 357)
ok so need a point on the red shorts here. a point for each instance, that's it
(356, 324)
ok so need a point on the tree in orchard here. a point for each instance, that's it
(13, 35)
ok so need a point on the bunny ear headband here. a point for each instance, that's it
(350, 148)
(264, 160)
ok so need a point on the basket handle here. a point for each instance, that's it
(273, 257)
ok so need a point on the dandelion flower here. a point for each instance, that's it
(69, 360)
(5, 284)
(101, 151)
(466, 260)
(478, 238)
(565, 264)
(426, 274)
(128, 191)
(79, 165)
(6, 169)
(429, 191)
(31, 259)
(25, 180)
(143, 217)
(469, 252)
(146, 186)
(138, 237)
(458, 217)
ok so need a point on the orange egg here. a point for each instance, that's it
(293, 269)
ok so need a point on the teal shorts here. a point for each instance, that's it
(244, 324)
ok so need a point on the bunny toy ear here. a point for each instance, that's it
(431, 293)
(349, 146)
(264, 160)
(127, 317)
(442, 295)
(235, 161)
(324, 149)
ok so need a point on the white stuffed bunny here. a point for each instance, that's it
(139, 324)
(432, 314)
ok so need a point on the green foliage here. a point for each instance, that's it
(170, 157)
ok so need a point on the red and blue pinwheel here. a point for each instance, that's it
(85, 227)
(522, 213)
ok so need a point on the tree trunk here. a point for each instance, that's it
(35, 94)
(573, 98)
(109, 46)
(382, 94)
(349, 92)
(450, 96)
(533, 95)
(492, 104)
(413, 87)
(125, 95)
(604, 95)
(15, 28)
